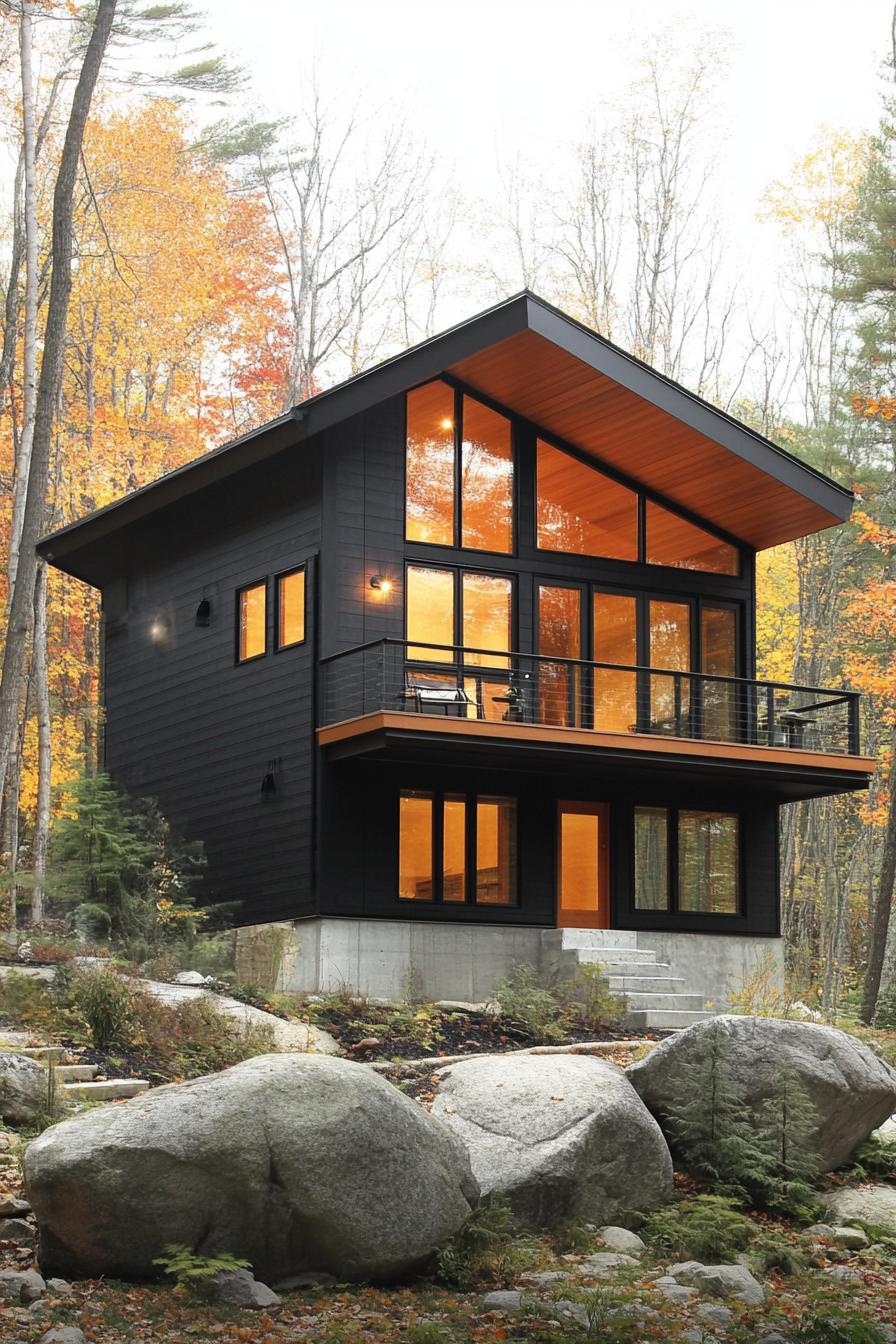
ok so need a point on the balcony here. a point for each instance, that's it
(389, 692)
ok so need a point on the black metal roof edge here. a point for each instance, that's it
(416, 364)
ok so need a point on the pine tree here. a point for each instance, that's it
(786, 1135)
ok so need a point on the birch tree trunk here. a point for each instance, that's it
(29, 353)
(21, 607)
(41, 692)
(880, 924)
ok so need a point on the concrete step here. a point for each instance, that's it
(646, 984)
(40, 1052)
(573, 938)
(656, 1019)
(111, 1089)
(617, 968)
(76, 1073)
(629, 955)
(689, 1003)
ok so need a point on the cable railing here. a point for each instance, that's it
(453, 681)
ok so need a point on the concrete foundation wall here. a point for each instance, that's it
(396, 959)
(715, 964)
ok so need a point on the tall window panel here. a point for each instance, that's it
(559, 636)
(581, 510)
(615, 641)
(454, 847)
(486, 479)
(718, 657)
(651, 858)
(670, 646)
(496, 876)
(708, 862)
(252, 605)
(415, 846)
(290, 608)
(429, 499)
(486, 601)
(429, 598)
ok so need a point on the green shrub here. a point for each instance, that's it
(707, 1227)
(839, 1327)
(590, 999)
(530, 1006)
(477, 1251)
(195, 1272)
(875, 1159)
(107, 1004)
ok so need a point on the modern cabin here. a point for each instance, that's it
(453, 667)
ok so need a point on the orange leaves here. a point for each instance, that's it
(871, 407)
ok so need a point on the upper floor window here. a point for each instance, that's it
(449, 607)
(459, 471)
(290, 608)
(253, 621)
(581, 510)
(672, 540)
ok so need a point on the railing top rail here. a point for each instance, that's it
(840, 695)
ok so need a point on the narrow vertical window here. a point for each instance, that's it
(708, 862)
(253, 621)
(486, 479)
(718, 658)
(615, 641)
(651, 858)
(415, 847)
(559, 636)
(290, 608)
(486, 615)
(495, 851)
(454, 847)
(430, 613)
(429, 499)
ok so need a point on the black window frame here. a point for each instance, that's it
(457, 614)
(673, 908)
(246, 588)
(456, 543)
(471, 800)
(278, 591)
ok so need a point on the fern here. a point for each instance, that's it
(707, 1227)
(195, 1272)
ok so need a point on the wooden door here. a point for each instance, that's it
(583, 866)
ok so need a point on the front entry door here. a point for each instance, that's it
(583, 866)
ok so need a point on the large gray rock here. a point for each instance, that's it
(291, 1162)
(871, 1204)
(561, 1136)
(853, 1091)
(23, 1088)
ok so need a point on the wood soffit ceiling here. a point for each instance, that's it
(531, 375)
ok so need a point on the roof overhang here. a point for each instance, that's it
(575, 385)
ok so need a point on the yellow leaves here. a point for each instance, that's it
(821, 190)
(871, 407)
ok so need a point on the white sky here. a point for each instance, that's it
(496, 78)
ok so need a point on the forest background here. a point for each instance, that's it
(226, 264)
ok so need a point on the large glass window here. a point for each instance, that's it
(615, 641)
(495, 851)
(290, 608)
(486, 617)
(708, 863)
(482, 518)
(471, 856)
(559, 636)
(581, 510)
(429, 500)
(701, 848)
(718, 658)
(415, 847)
(651, 858)
(672, 540)
(670, 646)
(486, 479)
(429, 597)
(252, 604)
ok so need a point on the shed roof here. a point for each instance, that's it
(573, 383)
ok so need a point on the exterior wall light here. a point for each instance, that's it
(204, 613)
(269, 784)
(381, 584)
(158, 630)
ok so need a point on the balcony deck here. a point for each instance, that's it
(471, 706)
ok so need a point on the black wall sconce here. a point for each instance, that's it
(268, 784)
(204, 613)
(381, 584)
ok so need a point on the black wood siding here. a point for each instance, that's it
(190, 727)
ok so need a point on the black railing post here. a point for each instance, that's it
(855, 744)
(769, 714)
